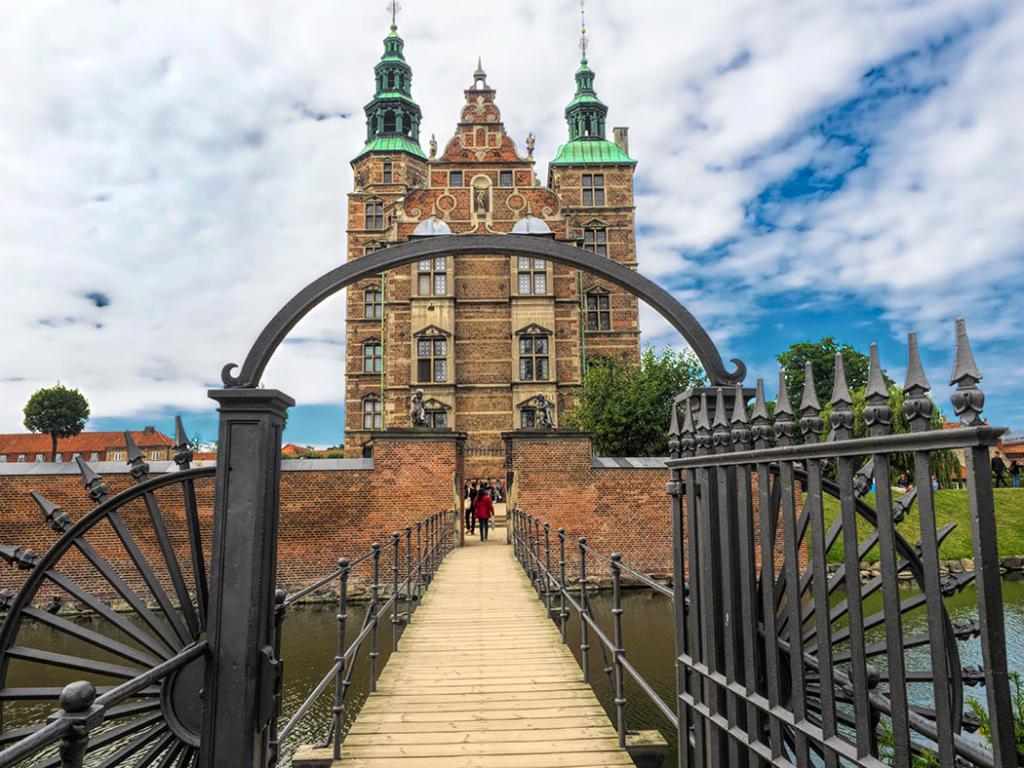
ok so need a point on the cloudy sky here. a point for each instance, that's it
(172, 171)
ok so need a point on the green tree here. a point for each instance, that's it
(58, 412)
(822, 357)
(626, 408)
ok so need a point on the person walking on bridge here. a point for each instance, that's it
(483, 511)
(471, 497)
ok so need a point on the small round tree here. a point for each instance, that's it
(58, 412)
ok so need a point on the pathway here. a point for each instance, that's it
(482, 680)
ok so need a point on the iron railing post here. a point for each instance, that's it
(419, 560)
(563, 615)
(408, 574)
(394, 590)
(536, 552)
(338, 710)
(584, 611)
(620, 691)
(547, 567)
(279, 612)
(375, 621)
(77, 705)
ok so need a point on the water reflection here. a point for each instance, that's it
(310, 637)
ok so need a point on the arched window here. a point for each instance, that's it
(373, 304)
(599, 315)
(373, 357)
(373, 413)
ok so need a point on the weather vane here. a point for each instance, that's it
(583, 28)
(394, 6)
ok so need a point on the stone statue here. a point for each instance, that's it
(433, 147)
(531, 142)
(482, 202)
(418, 413)
(545, 419)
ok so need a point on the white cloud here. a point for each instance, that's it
(162, 154)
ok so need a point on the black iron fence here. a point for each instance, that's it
(814, 630)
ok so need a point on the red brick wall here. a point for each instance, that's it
(325, 514)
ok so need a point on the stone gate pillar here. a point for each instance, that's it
(241, 671)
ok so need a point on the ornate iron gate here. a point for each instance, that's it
(782, 659)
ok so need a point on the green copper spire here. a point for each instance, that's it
(586, 115)
(393, 117)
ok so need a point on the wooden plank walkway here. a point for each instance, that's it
(482, 680)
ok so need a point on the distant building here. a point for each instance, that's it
(91, 446)
(1012, 446)
(483, 338)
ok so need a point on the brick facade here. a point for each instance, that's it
(480, 310)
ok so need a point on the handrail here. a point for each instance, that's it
(533, 550)
(433, 541)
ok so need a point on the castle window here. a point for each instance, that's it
(593, 189)
(534, 362)
(373, 304)
(455, 178)
(527, 418)
(533, 276)
(387, 172)
(437, 419)
(432, 360)
(3, 458)
(505, 179)
(599, 316)
(375, 215)
(373, 357)
(94, 456)
(40, 457)
(21, 458)
(596, 239)
(390, 122)
(117, 456)
(373, 415)
(371, 247)
(432, 277)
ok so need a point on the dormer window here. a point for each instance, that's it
(593, 189)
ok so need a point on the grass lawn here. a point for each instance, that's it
(950, 507)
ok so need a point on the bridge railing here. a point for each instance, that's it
(532, 542)
(416, 552)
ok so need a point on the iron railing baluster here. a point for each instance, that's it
(375, 620)
(584, 611)
(395, 537)
(338, 710)
(279, 613)
(620, 690)
(563, 615)
(408, 574)
(547, 567)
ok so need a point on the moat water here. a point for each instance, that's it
(310, 638)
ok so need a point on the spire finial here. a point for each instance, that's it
(394, 6)
(584, 40)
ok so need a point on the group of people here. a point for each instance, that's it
(1000, 470)
(481, 495)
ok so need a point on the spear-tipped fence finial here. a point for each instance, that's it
(687, 444)
(877, 413)
(842, 416)
(783, 413)
(721, 436)
(739, 421)
(917, 406)
(22, 558)
(968, 400)
(138, 468)
(760, 420)
(703, 424)
(674, 445)
(811, 423)
(93, 482)
(182, 447)
(53, 514)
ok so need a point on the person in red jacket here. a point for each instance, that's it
(483, 510)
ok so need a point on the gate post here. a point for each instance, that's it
(241, 671)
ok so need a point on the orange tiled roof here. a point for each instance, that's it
(86, 442)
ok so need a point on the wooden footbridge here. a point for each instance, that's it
(481, 680)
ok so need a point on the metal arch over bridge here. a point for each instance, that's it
(466, 245)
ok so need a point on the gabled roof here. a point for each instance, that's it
(86, 442)
(533, 329)
(432, 330)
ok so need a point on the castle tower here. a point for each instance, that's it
(483, 337)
